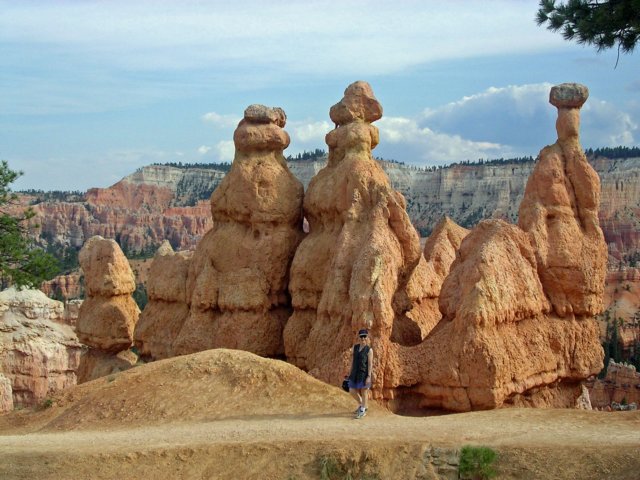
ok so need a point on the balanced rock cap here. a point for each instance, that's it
(568, 95)
(260, 114)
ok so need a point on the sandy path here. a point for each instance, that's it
(174, 419)
(513, 427)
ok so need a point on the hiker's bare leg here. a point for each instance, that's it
(356, 395)
(364, 393)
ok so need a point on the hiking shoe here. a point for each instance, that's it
(361, 413)
(357, 410)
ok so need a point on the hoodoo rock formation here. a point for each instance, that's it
(517, 305)
(361, 264)
(162, 319)
(236, 286)
(108, 315)
(499, 315)
(560, 211)
(39, 355)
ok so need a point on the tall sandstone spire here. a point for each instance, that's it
(361, 264)
(232, 292)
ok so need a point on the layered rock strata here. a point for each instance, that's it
(236, 285)
(361, 263)
(39, 355)
(517, 305)
(108, 315)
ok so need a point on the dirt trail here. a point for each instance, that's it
(139, 425)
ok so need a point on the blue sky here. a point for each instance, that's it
(92, 90)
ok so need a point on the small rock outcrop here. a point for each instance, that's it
(518, 323)
(108, 315)
(361, 264)
(621, 384)
(167, 309)
(236, 285)
(38, 355)
(6, 395)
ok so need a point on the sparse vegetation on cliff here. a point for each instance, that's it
(614, 153)
(223, 166)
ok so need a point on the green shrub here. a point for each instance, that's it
(328, 468)
(476, 463)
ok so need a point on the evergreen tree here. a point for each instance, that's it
(21, 263)
(602, 23)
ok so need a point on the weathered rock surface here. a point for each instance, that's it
(236, 287)
(440, 251)
(96, 364)
(63, 286)
(621, 384)
(108, 315)
(361, 264)
(6, 394)
(162, 319)
(516, 329)
(38, 354)
(560, 211)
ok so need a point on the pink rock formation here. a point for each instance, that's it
(108, 315)
(139, 219)
(63, 286)
(163, 317)
(38, 355)
(622, 383)
(236, 288)
(560, 211)
(517, 305)
(361, 263)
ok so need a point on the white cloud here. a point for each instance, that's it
(221, 121)
(224, 150)
(308, 132)
(203, 149)
(404, 140)
(603, 125)
(520, 117)
(514, 115)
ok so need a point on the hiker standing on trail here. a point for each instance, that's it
(361, 370)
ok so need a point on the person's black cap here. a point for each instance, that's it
(363, 333)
